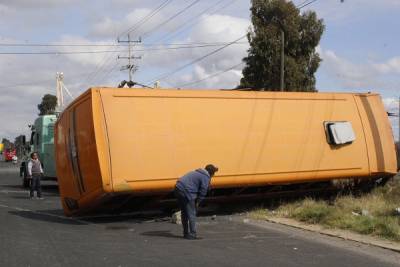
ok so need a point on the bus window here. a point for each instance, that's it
(74, 154)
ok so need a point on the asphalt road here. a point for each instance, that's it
(35, 233)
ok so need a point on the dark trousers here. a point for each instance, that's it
(188, 213)
(35, 185)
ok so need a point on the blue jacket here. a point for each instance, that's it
(194, 184)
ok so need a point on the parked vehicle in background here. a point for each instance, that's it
(9, 153)
(41, 142)
(1, 151)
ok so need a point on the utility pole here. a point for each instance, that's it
(282, 60)
(130, 67)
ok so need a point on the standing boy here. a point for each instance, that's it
(35, 173)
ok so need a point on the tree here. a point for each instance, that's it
(48, 105)
(302, 33)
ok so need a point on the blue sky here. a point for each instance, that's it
(360, 47)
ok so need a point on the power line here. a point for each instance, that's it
(60, 52)
(170, 47)
(146, 18)
(136, 26)
(101, 66)
(163, 76)
(170, 18)
(111, 70)
(306, 4)
(189, 22)
(57, 45)
(98, 45)
(302, 5)
(39, 82)
(211, 75)
(196, 22)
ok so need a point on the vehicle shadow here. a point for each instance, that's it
(134, 217)
(162, 214)
(57, 216)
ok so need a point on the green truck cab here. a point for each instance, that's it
(41, 142)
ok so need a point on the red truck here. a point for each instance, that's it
(9, 153)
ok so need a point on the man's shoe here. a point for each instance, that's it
(41, 198)
(191, 237)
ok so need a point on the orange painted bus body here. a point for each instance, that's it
(113, 141)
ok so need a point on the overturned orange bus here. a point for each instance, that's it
(115, 145)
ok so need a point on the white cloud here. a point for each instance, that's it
(350, 10)
(26, 78)
(99, 22)
(390, 66)
(109, 27)
(215, 28)
(364, 75)
(88, 59)
(391, 104)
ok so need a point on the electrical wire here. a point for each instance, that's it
(211, 76)
(39, 82)
(60, 52)
(57, 45)
(106, 60)
(146, 18)
(169, 19)
(306, 4)
(300, 6)
(189, 22)
(165, 75)
(98, 45)
(176, 47)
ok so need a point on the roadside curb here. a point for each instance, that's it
(343, 234)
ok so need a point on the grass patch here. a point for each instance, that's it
(371, 214)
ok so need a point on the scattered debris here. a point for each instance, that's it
(397, 211)
(365, 213)
(355, 213)
(294, 248)
(176, 218)
(246, 220)
(249, 236)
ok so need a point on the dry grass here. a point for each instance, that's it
(372, 214)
